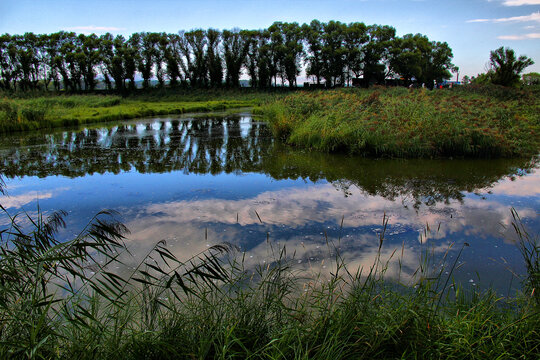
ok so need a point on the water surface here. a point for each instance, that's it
(197, 181)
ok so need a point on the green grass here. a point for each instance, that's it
(48, 111)
(59, 300)
(398, 122)
(473, 121)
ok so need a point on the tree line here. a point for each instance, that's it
(332, 53)
(504, 68)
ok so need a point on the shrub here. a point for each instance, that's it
(8, 111)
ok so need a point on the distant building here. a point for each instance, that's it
(449, 84)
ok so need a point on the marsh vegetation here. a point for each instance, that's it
(61, 300)
(472, 121)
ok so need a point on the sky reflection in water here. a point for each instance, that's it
(181, 178)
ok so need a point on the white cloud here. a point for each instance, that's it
(525, 18)
(93, 28)
(520, 37)
(18, 201)
(23, 199)
(526, 186)
(520, 2)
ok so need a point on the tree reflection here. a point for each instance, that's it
(236, 144)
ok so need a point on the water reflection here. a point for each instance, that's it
(199, 181)
(237, 144)
(306, 219)
(205, 145)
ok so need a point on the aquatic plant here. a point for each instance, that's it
(32, 113)
(398, 122)
(529, 246)
(48, 286)
(61, 300)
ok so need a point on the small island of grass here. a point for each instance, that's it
(473, 121)
(44, 111)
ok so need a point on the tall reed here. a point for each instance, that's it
(61, 300)
(398, 122)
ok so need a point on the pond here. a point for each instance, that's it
(200, 180)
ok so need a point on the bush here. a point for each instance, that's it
(33, 114)
(473, 121)
(8, 111)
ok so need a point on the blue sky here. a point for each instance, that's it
(472, 28)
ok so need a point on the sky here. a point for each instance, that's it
(472, 28)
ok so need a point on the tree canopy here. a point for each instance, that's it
(332, 53)
(506, 67)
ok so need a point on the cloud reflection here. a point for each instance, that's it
(302, 219)
(18, 201)
(321, 203)
(527, 186)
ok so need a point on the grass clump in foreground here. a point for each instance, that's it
(60, 300)
(398, 122)
(49, 111)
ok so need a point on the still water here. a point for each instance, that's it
(195, 181)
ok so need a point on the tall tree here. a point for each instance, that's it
(172, 59)
(44, 60)
(235, 47)
(252, 59)
(439, 64)
(293, 51)
(52, 48)
(286, 50)
(147, 48)
(111, 50)
(65, 60)
(407, 56)
(8, 61)
(215, 65)
(333, 52)
(377, 52)
(26, 54)
(160, 56)
(414, 56)
(314, 59)
(194, 49)
(506, 67)
(354, 39)
(90, 59)
(265, 60)
(275, 51)
(131, 59)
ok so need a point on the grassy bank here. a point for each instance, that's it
(398, 122)
(395, 122)
(31, 111)
(208, 308)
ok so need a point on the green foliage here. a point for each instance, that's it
(8, 111)
(235, 47)
(482, 79)
(33, 114)
(335, 52)
(531, 78)
(506, 67)
(414, 56)
(56, 111)
(409, 123)
(60, 300)
(529, 246)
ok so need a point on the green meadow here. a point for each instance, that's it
(471, 121)
(49, 111)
